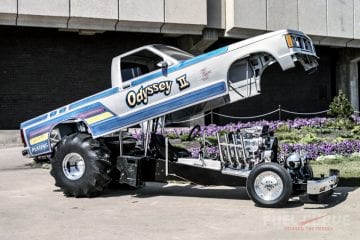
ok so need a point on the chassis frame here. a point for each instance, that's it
(204, 171)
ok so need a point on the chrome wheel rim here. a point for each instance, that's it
(268, 185)
(73, 166)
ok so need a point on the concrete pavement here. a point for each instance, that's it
(31, 207)
(10, 138)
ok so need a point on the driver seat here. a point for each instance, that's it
(157, 144)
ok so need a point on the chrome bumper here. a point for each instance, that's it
(308, 62)
(323, 185)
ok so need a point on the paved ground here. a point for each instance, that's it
(32, 208)
(10, 138)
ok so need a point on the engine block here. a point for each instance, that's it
(248, 147)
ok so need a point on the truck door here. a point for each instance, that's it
(242, 81)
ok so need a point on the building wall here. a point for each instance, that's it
(44, 69)
(347, 74)
(329, 22)
(166, 16)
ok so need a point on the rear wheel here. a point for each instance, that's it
(80, 165)
(269, 185)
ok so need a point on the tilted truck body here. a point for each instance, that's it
(148, 83)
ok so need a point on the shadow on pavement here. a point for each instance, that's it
(339, 196)
(190, 190)
(187, 190)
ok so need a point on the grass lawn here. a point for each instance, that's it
(349, 169)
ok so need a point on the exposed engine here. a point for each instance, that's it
(248, 147)
(251, 146)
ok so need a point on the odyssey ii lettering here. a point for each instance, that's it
(141, 96)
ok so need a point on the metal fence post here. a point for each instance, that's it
(212, 117)
(279, 112)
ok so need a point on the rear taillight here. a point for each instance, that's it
(22, 137)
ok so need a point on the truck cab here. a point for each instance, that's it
(143, 62)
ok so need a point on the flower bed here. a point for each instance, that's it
(313, 151)
(316, 136)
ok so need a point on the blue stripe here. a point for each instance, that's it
(32, 121)
(79, 103)
(64, 117)
(98, 96)
(202, 57)
(132, 118)
(115, 90)
(181, 65)
(159, 109)
(53, 122)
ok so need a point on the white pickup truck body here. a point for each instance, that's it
(88, 150)
(212, 79)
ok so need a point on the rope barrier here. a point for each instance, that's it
(250, 117)
(188, 120)
(257, 116)
(300, 113)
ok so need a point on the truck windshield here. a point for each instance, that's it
(175, 53)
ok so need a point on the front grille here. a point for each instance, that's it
(303, 43)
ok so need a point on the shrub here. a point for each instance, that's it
(310, 138)
(323, 130)
(212, 140)
(184, 137)
(283, 128)
(356, 130)
(172, 135)
(340, 123)
(288, 137)
(348, 135)
(178, 145)
(340, 107)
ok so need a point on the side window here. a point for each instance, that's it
(138, 64)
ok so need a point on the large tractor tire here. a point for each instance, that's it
(80, 165)
(269, 185)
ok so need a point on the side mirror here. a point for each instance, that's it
(162, 64)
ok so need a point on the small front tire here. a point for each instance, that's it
(269, 185)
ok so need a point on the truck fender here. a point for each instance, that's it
(65, 128)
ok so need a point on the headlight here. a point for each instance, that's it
(289, 40)
(293, 161)
(301, 42)
(295, 41)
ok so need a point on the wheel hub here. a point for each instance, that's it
(268, 185)
(73, 166)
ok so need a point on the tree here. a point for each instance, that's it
(340, 107)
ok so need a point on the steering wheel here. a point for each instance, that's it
(193, 133)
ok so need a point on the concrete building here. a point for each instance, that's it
(55, 52)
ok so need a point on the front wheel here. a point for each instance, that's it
(269, 185)
(80, 165)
